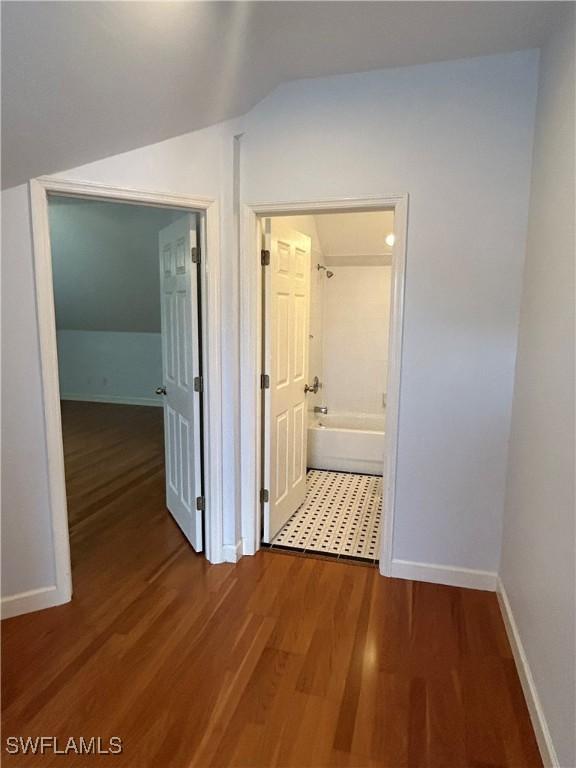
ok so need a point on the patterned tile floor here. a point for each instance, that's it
(340, 517)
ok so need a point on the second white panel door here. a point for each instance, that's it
(287, 286)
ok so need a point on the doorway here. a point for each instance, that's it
(190, 299)
(127, 300)
(276, 460)
(326, 302)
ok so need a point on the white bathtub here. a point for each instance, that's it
(347, 443)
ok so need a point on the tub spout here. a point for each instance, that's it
(321, 409)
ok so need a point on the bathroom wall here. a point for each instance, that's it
(316, 331)
(355, 348)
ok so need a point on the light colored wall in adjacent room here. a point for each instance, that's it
(110, 367)
(107, 299)
(105, 264)
(456, 136)
(355, 347)
(537, 568)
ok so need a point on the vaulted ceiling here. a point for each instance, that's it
(86, 80)
(355, 239)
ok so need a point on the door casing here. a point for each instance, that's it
(40, 188)
(251, 318)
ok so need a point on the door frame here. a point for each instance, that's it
(40, 188)
(251, 286)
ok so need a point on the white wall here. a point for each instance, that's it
(316, 340)
(27, 549)
(107, 298)
(457, 137)
(537, 568)
(108, 366)
(356, 324)
(105, 264)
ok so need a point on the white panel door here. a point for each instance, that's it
(286, 311)
(181, 366)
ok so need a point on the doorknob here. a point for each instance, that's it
(315, 386)
(160, 390)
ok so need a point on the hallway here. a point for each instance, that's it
(278, 661)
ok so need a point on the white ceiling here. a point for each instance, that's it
(85, 80)
(355, 239)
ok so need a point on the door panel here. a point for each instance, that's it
(181, 364)
(299, 421)
(287, 287)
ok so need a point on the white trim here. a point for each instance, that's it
(46, 318)
(250, 402)
(232, 552)
(394, 381)
(210, 245)
(33, 600)
(250, 351)
(450, 575)
(336, 205)
(212, 364)
(113, 399)
(128, 195)
(537, 716)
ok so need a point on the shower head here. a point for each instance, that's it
(329, 274)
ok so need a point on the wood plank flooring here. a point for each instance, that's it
(278, 661)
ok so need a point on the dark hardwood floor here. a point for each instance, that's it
(277, 661)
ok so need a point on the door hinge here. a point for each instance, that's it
(200, 503)
(264, 496)
(264, 257)
(195, 253)
(198, 384)
(264, 381)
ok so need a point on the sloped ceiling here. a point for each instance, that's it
(86, 80)
(355, 239)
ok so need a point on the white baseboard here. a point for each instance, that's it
(33, 600)
(232, 552)
(248, 547)
(116, 399)
(444, 574)
(539, 723)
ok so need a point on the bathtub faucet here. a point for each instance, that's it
(321, 409)
(315, 386)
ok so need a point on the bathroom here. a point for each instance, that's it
(348, 319)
